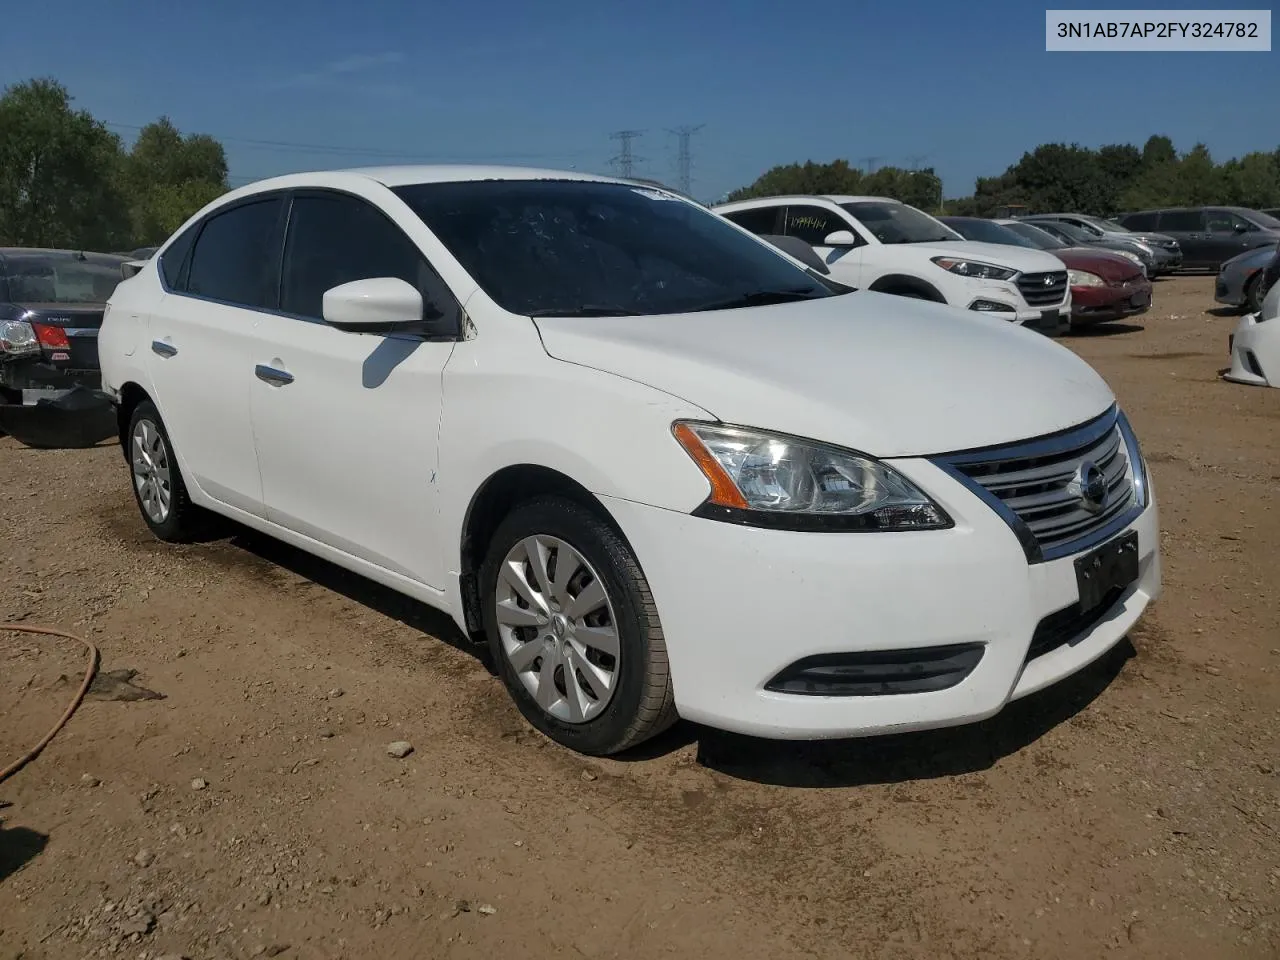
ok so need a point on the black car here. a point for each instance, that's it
(51, 307)
(1209, 236)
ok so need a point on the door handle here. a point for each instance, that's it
(272, 375)
(163, 349)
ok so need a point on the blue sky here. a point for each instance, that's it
(966, 87)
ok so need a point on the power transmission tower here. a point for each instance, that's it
(915, 161)
(870, 163)
(625, 160)
(684, 159)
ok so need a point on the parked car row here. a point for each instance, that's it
(1209, 236)
(599, 418)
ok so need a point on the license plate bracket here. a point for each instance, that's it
(1111, 567)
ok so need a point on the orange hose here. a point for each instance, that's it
(91, 667)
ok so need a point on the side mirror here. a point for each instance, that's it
(840, 238)
(375, 305)
(1241, 228)
(131, 268)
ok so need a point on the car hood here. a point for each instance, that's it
(1257, 257)
(890, 376)
(1109, 266)
(1022, 259)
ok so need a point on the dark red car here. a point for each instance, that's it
(1104, 285)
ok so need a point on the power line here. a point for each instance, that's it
(625, 160)
(913, 162)
(350, 151)
(684, 159)
(870, 163)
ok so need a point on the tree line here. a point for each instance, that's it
(67, 181)
(1112, 179)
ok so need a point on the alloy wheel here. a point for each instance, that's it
(557, 627)
(151, 470)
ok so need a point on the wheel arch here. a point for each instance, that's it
(131, 394)
(496, 497)
(894, 282)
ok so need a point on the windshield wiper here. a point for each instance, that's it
(759, 298)
(587, 310)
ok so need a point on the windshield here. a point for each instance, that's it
(987, 231)
(585, 248)
(1035, 236)
(1112, 226)
(1264, 220)
(1070, 231)
(58, 277)
(899, 223)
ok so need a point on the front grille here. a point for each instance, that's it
(1038, 293)
(1039, 482)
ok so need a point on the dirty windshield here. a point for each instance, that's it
(586, 248)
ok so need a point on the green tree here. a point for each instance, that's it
(59, 172)
(168, 177)
(1158, 150)
(1056, 177)
(807, 178)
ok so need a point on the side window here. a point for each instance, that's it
(172, 260)
(235, 256)
(1140, 221)
(1224, 221)
(335, 239)
(1088, 228)
(759, 220)
(1187, 221)
(813, 224)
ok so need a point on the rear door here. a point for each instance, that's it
(1188, 228)
(200, 346)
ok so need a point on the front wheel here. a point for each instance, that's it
(1253, 293)
(573, 629)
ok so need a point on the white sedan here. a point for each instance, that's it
(663, 468)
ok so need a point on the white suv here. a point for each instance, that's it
(662, 468)
(875, 243)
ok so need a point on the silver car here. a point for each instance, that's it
(1241, 281)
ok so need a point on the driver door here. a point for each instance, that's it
(346, 424)
(813, 224)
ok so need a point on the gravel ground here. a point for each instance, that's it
(251, 807)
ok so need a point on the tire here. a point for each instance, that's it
(182, 521)
(536, 641)
(1253, 293)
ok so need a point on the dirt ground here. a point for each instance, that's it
(253, 809)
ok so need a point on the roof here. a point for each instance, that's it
(404, 175)
(804, 198)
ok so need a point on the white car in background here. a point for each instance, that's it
(880, 244)
(661, 467)
(1255, 344)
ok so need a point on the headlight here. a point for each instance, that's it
(1131, 256)
(772, 480)
(18, 338)
(1145, 248)
(1082, 278)
(975, 269)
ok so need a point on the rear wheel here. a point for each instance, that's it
(573, 628)
(158, 487)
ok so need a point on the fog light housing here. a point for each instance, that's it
(992, 306)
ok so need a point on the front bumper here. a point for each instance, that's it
(738, 605)
(1097, 304)
(1255, 352)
